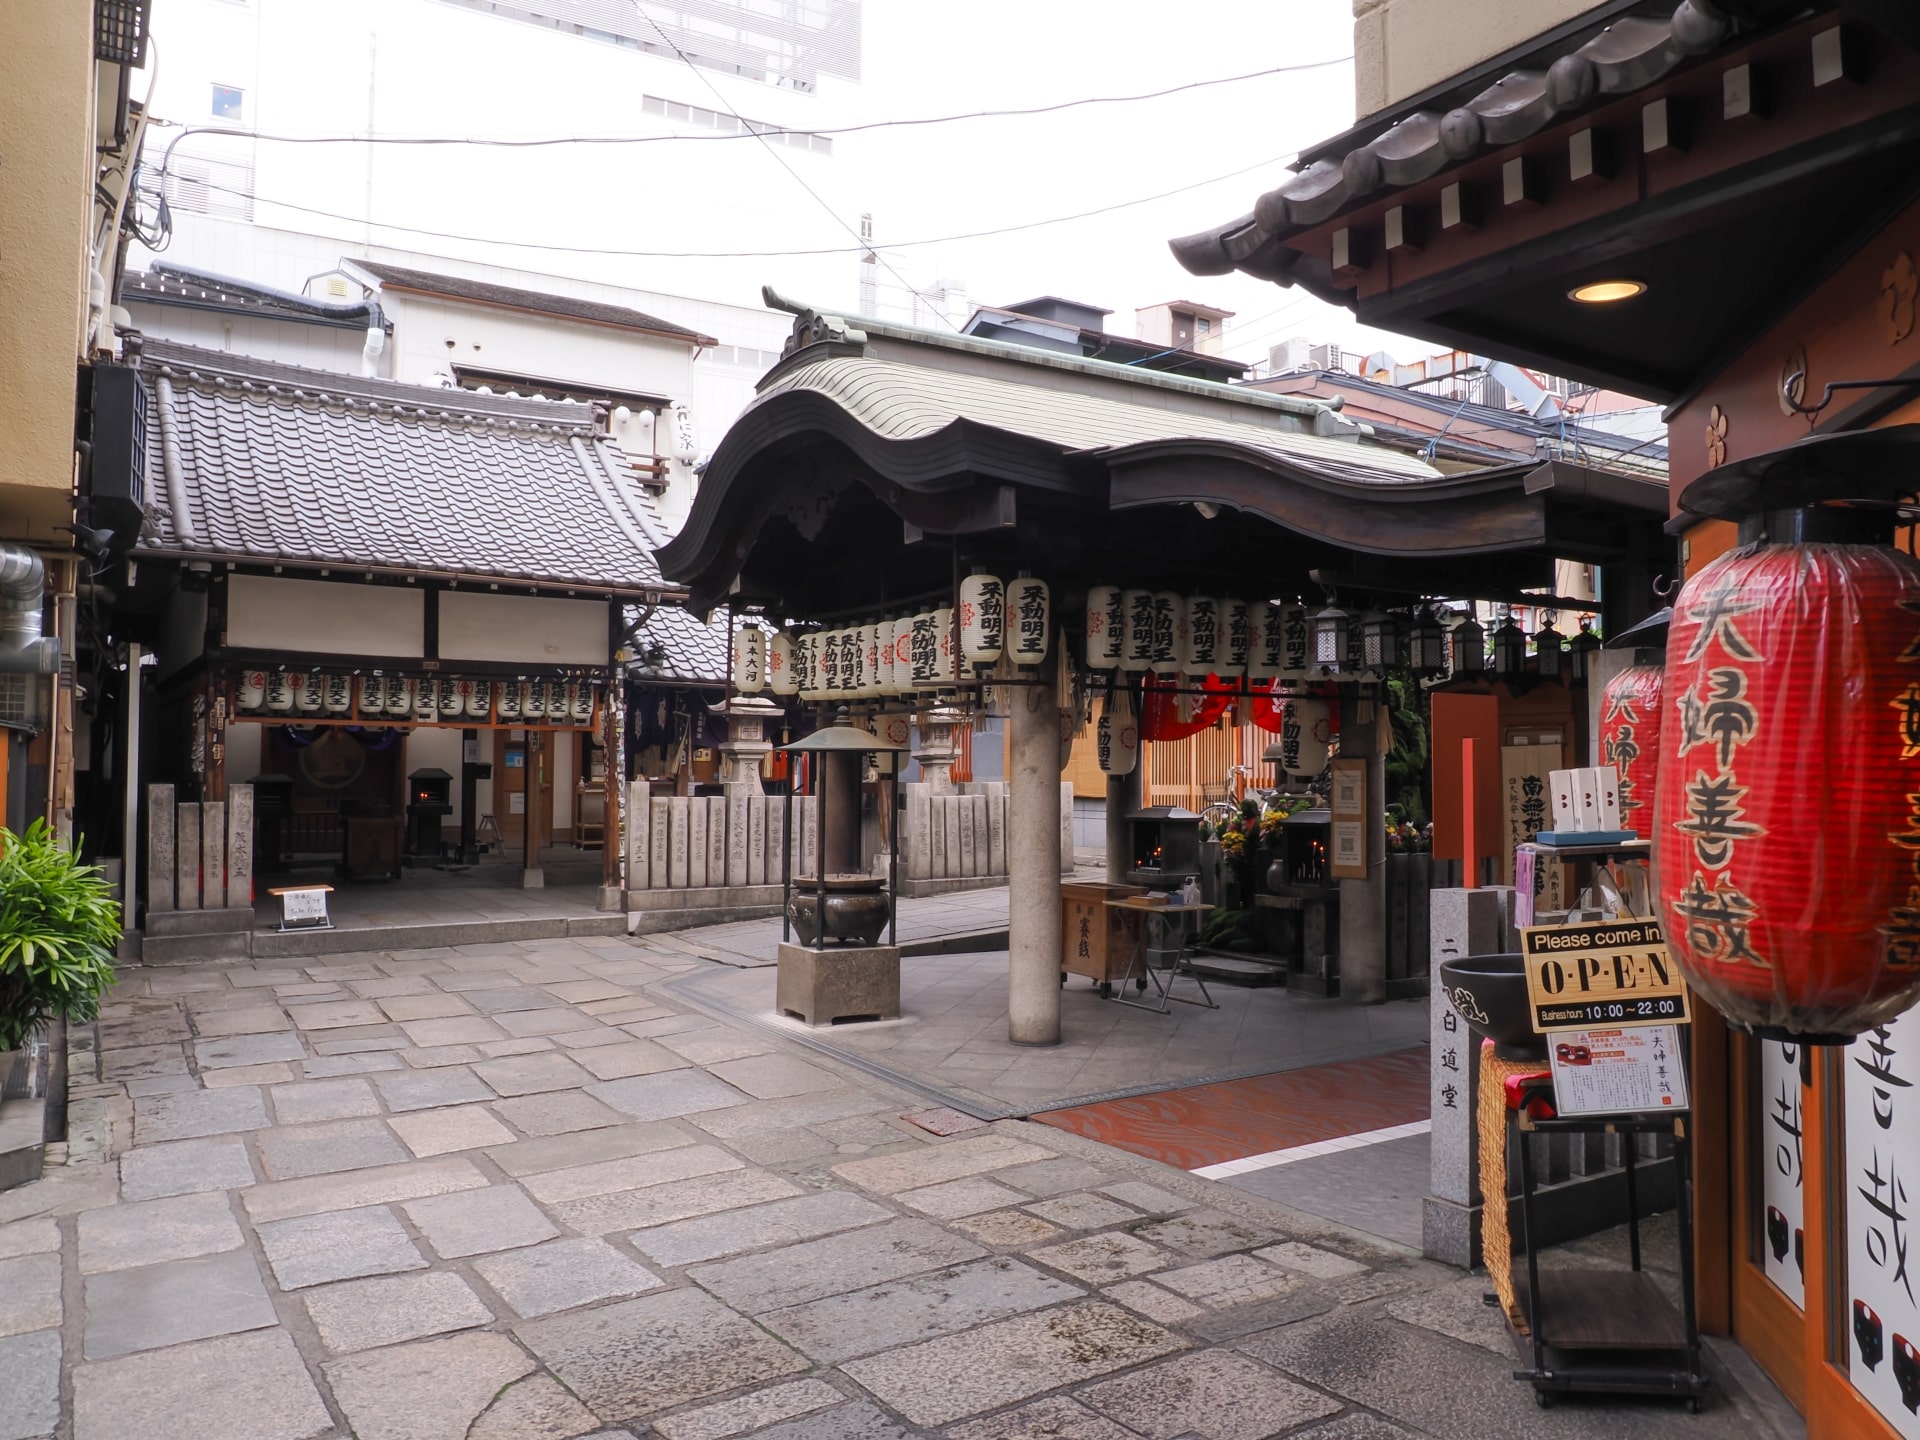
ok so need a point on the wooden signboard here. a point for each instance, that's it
(1347, 840)
(1613, 972)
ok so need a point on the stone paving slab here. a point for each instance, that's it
(386, 1215)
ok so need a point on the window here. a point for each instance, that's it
(1206, 326)
(229, 102)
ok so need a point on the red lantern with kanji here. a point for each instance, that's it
(1630, 720)
(1788, 813)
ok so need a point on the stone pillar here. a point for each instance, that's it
(745, 719)
(1464, 922)
(160, 843)
(534, 826)
(1033, 864)
(1363, 903)
(1123, 798)
(239, 847)
(937, 750)
(839, 811)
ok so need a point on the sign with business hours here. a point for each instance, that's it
(1882, 1126)
(1610, 972)
(1784, 1242)
(1622, 1071)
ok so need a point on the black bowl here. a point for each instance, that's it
(1490, 992)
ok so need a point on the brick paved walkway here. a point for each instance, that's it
(510, 1192)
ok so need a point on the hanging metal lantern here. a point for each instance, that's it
(1580, 654)
(1427, 644)
(1509, 649)
(1380, 648)
(1203, 634)
(1550, 646)
(1168, 613)
(1306, 734)
(1786, 825)
(1029, 620)
(1117, 737)
(1296, 642)
(1330, 638)
(1236, 642)
(983, 618)
(749, 662)
(1106, 627)
(782, 678)
(1467, 647)
(1137, 641)
(1631, 718)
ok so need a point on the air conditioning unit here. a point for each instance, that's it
(114, 419)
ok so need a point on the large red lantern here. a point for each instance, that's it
(1630, 721)
(1788, 812)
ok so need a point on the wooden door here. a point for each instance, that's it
(523, 768)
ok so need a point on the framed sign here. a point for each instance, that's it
(1347, 853)
(1348, 800)
(1614, 972)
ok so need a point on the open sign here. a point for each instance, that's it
(1614, 973)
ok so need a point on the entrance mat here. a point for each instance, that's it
(1229, 1120)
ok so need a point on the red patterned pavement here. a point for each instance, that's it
(1206, 1124)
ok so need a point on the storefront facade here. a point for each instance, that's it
(1712, 205)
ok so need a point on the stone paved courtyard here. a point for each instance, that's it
(513, 1192)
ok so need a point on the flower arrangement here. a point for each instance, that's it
(1406, 838)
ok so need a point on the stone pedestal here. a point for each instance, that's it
(937, 750)
(845, 983)
(1464, 922)
(745, 719)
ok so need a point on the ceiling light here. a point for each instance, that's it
(1605, 292)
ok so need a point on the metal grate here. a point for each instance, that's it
(16, 701)
(120, 31)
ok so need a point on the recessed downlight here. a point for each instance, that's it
(1606, 292)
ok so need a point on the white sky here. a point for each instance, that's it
(417, 67)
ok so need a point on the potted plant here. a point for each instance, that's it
(59, 924)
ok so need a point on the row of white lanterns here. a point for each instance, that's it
(1159, 632)
(904, 655)
(300, 692)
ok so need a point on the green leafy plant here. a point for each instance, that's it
(59, 924)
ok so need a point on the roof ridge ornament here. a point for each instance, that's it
(810, 326)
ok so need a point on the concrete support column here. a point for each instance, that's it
(839, 811)
(1033, 864)
(1363, 903)
(1123, 798)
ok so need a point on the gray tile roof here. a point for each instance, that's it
(695, 651)
(482, 292)
(254, 461)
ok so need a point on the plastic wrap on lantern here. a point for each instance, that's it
(1631, 718)
(780, 675)
(1117, 738)
(1263, 660)
(983, 616)
(1137, 640)
(1029, 620)
(1787, 814)
(1306, 730)
(1235, 642)
(1169, 611)
(1204, 637)
(1106, 628)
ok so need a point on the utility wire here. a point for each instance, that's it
(750, 129)
(859, 249)
(798, 178)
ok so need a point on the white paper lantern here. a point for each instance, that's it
(749, 659)
(868, 663)
(1029, 620)
(1257, 667)
(279, 692)
(1273, 642)
(948, 665)
(533, 700)
(373, 695)
(1169, 615)
(1235, 642)
(781, 677)
(1203, 634)
(1306, 730)
(479, 698)
(426, 701)
(1106, 627)
(1136, 641)
(448, 697)
(1296, 642)
(253, 690)
(580, 703)
(400, 695)
(983, 618)
(1118, 736)
(883, 661)
(306, 692)
(507, 701)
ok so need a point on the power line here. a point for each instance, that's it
(798, 178)
(859, 249)
(750, 129)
